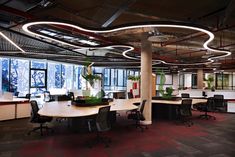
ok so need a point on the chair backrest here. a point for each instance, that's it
(71, 95)
(130, 95)
(17, 94)
(34, 112)
(27, 96)
(102, 119)
(47, 96)
(211, 104)
(219, 100)
(185, 95)
(141, 109)
(185, 107)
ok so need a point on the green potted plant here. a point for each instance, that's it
(87, 74)
(169, 90)
(209, 80)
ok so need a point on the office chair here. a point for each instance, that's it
(208, 107)
(138, 116)
(185, 95)
(27, 96)
(185, 112)
(100, 124)
(219, 103)
(63, 98)
(47, 96)
(36, 118)
(17, 94)
(71, 96)
(130, 95)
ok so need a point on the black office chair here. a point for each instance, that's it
(130, 95)
(185, 112)
(220, 104)
(71, 96)
(36, 118)
(138, 116)
(47, 96)
(208, 107)
(100, 124)
(27, 96)
(185, 95)
(17, 94)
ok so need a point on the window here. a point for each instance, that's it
(5, 74)
(120, 77)
(19, 76)
(54, 75)
(77, 77)
(106, 77)
(38, 64)
(67, 76)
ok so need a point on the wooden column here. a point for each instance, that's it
(200, 79)
(146, 77)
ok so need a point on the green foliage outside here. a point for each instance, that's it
(165, 94)
(209, 80)
(133, 78)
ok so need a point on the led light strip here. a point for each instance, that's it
(10, 41)
(130, 48)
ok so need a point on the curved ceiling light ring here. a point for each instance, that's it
(130, 48)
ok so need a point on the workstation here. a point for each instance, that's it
(117, 78)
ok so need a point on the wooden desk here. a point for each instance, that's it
(65, 109)
(15, 108)
(178, 102)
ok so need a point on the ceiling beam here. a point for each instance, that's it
(118, 12)
(228, 11)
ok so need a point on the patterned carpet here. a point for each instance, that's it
(206, 138)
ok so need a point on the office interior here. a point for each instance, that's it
(117, 78)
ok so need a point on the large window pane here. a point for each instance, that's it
(67, 76)
(77, 77)
(113, 77)
(54, 75)
(120, 77)
(5, 74)
(19, 76)
(106, 77)
(38, 65)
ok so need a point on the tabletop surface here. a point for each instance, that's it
(65, 109)
(14, 100)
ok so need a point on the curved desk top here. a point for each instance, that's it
(65, 109)
(14, 100)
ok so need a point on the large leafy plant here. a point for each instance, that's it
(209, 80)
(87, 74)
(169, 90)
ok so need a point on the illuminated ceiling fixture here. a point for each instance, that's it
(130, 48)
(10, 41)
